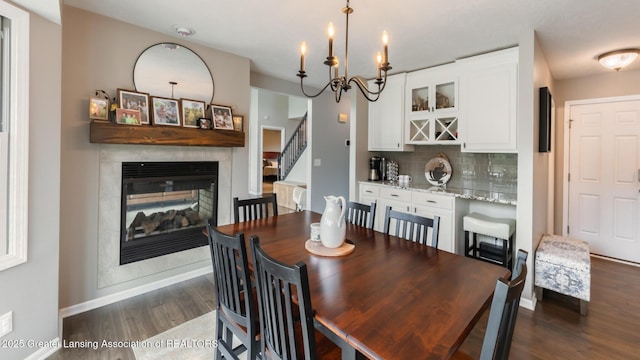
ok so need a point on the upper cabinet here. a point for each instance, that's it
(488, 102)
(472, 102)
(386, 131)
(431, 106)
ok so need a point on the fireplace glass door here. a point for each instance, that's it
(165, 206)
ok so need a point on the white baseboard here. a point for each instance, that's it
(615, 260)
(45, 352)
(528, 303)
(112, 298)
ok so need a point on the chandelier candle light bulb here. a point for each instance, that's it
(385, 42)
(303, 50)
(331, 31)
(379, 63)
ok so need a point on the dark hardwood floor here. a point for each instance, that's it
(611, 330)
(137, 318)
(555, 330)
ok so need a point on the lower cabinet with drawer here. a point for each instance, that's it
(430, 205)
(398, 199)
(415, 202)
(371, 194)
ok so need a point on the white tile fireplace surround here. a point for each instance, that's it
(110, 271)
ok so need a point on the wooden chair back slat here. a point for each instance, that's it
(412, 227)
(255, 208)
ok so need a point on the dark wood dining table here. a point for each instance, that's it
(390, 298)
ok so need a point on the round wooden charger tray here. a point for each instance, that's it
(315, 247)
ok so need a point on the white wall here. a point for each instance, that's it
(526, 133)
(30, 290)
(531, 213)
(298, 172)
(332, 176)
(297, 106)
(100, 53)
(533, 171)
(541, 77)
(359, 154)
(271, 109)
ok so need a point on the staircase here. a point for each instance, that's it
(293, 149)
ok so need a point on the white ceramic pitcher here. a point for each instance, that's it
(332, 225)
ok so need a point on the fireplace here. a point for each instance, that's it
(165, 205)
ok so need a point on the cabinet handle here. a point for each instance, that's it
(432, 201)
(395, 195)
(369, 191)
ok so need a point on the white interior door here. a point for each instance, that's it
(604, 165)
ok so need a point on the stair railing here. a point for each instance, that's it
(294, 148)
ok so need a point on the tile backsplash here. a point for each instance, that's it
(480, 171)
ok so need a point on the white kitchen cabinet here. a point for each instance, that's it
(386, 116)
(488, 102)
(398, 199)
(431, 106)
(369, 194)
(430, 205)
(414, 202)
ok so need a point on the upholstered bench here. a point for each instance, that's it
(563, 265)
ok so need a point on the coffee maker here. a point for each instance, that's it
(375, 169)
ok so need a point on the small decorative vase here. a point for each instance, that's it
(332, 224)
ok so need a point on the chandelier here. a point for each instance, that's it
(342, 83)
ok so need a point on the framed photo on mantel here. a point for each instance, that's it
(128, 116)
(165, 111)
(221, 116)
(133, 100)
(192, 112)
(237, 122)
(99, 109)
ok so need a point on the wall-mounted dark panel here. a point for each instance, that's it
(544, 142)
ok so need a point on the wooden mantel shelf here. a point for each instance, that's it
(110, 133)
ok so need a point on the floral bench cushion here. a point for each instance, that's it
(563, 265)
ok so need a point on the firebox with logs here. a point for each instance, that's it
(165, 205)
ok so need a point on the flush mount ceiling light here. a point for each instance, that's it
(342, 83)
(618, 59)
(183, 30)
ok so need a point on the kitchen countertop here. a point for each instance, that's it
(500, 197)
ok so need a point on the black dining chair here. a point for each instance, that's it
(361, 214)
(286, 326)
(286, 316)
(521, 259)
(236, 307)
(412, 227)
(496, 344)
(255, 208)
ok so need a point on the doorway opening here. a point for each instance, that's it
(272, 140)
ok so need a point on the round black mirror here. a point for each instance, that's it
(173, 71)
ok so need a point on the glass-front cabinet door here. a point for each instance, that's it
(431, 106)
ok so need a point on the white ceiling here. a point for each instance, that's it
(423, 33)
